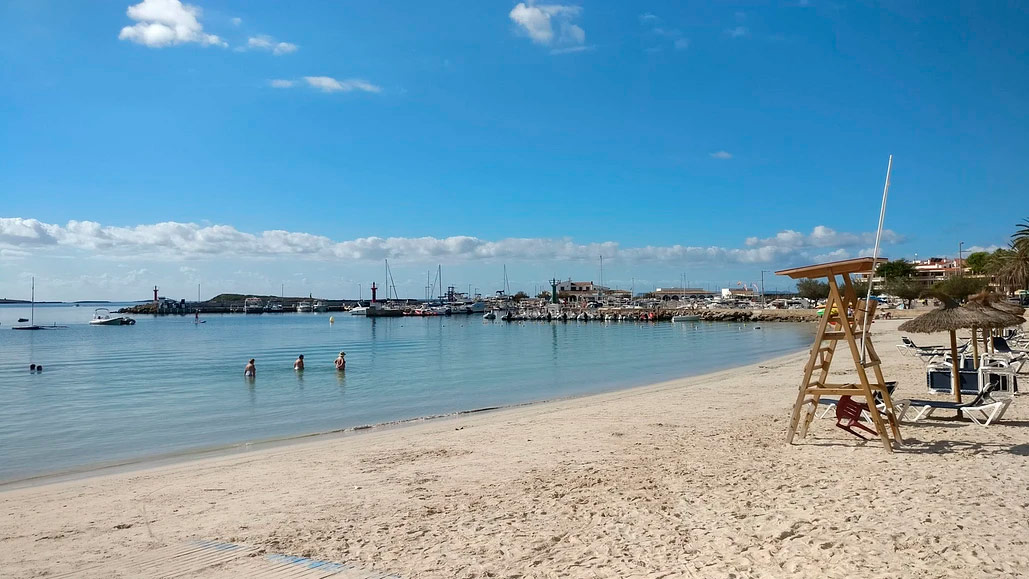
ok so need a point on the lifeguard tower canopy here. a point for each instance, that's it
(832, 268)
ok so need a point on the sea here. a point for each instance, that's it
(170, 387)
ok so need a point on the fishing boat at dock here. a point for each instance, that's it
(253, 306)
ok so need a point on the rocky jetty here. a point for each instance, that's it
(758, 315)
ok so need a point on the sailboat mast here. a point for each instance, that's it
(32, 303)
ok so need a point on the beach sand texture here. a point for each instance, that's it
(689, 478)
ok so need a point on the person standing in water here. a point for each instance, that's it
(299, 364)
(341, 363)
(250, 371)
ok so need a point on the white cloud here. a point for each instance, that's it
(265, 42)
(572, 33)
(184, 241)
(837, 255)
(724, 155)
(571, 49)
(281, 83)
(162, 23)
(329, 84)
(821, 236)
(738, 32)
(537, 21)
(662, 34)
(977, 248)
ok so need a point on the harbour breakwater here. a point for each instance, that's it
(660, 314)
(758, 315)
(728, 315)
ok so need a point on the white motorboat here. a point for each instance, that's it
(102, 317)
(303, 307)
(377, 310)
(686, 318)
(273, 307)
(320, 306)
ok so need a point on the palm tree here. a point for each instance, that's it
(1021, 235)
(1014, 272)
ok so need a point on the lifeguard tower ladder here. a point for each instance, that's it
(843, 320)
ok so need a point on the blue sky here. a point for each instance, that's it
(160, 142)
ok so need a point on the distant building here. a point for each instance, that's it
(927, 272)
(741, 293)
(578, 290)
(675, 294)
(618, 294)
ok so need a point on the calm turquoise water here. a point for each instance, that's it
(168, 385)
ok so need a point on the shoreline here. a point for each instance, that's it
(686, 478)
(243, 448)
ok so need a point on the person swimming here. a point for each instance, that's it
(341, 363)
(251, 370)
(32, 367)
(299, 364)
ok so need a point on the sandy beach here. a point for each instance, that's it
(688, 478)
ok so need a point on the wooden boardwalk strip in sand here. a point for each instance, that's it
(217, 559)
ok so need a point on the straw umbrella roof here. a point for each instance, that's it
(951, 317)
(1001, 319)
(997, 302)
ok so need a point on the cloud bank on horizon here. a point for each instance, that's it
(22, 237)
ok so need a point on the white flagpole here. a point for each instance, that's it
(875, 255)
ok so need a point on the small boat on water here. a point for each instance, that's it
(377, 310)
(273, 307)
(304, 307)
(102, 317)
(32, 312)
(686, 318)
(320, 306)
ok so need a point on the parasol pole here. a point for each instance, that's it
(875, 256)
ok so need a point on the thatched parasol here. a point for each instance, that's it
(997, 302)
(1000, 320)
(950, 317)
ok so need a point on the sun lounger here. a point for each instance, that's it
(1002, 370)
(1001, 346)
(983, 409)
(926, 353)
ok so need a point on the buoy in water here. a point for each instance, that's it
(332, 320)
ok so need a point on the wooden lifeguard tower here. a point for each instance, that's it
(843, 320)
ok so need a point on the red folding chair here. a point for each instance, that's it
(848, 416)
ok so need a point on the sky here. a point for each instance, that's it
(291, 147)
